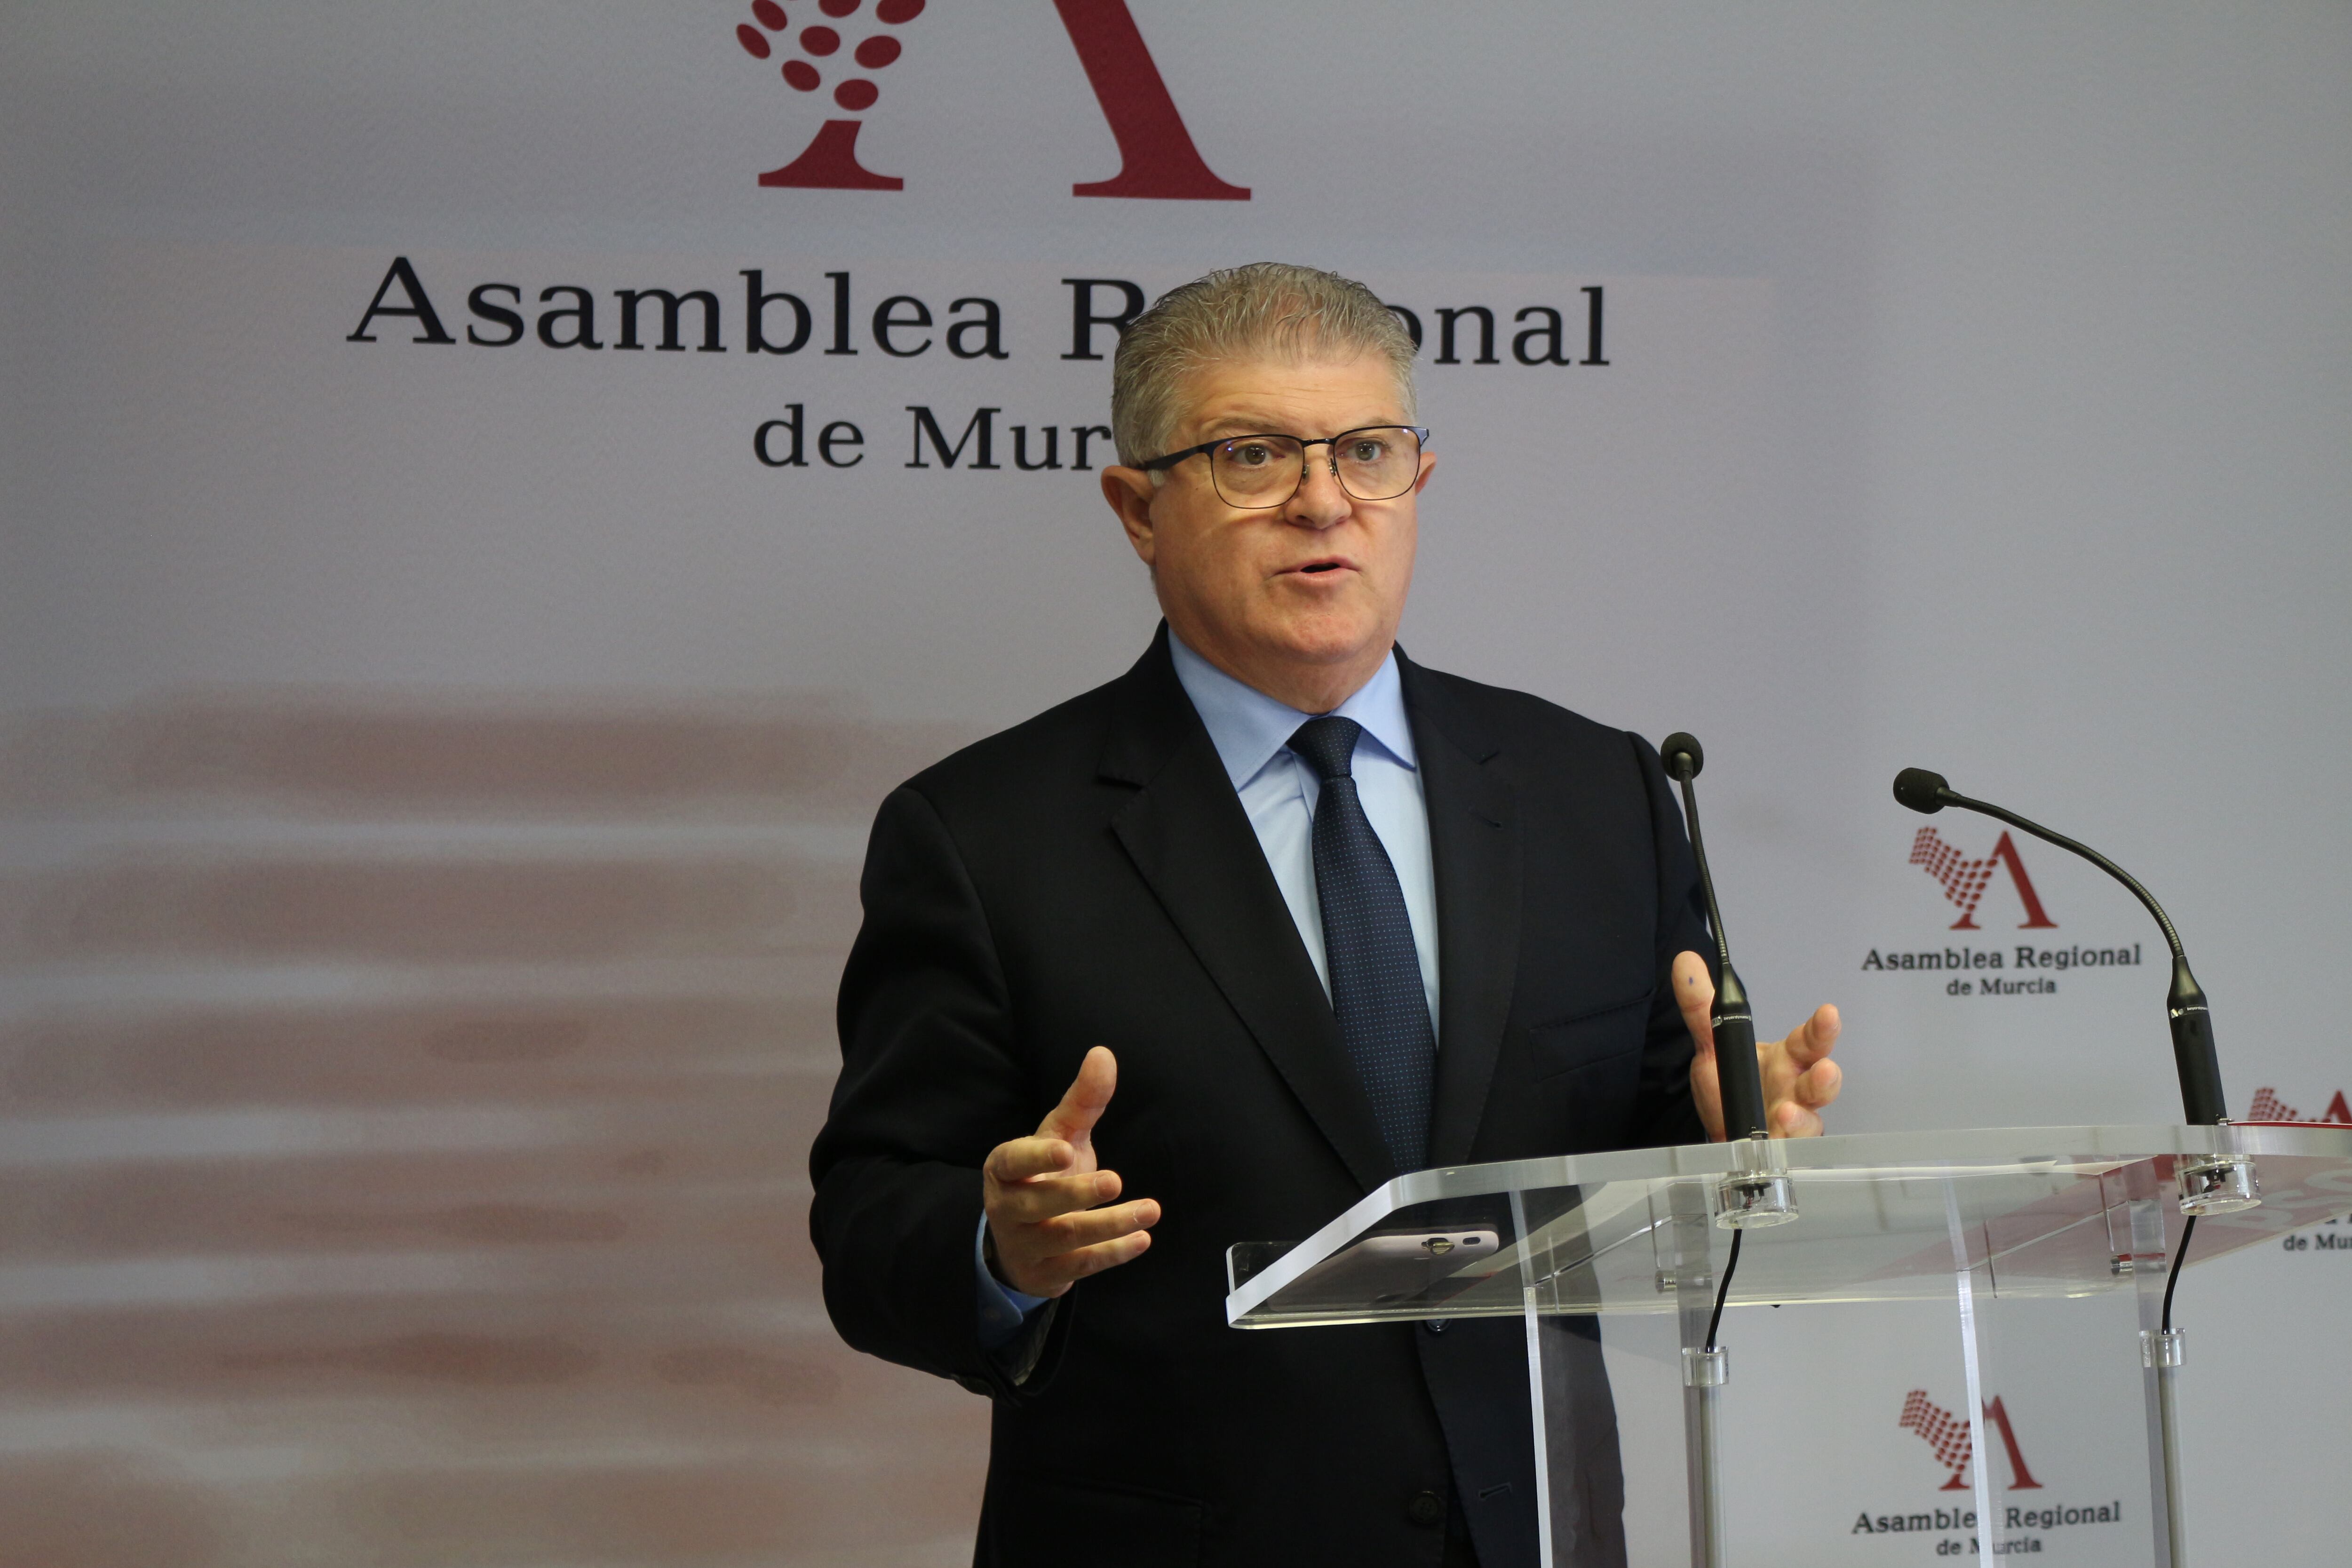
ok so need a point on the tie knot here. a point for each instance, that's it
(1328, 746)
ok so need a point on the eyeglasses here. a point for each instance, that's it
(1378, 462)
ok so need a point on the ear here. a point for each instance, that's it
(1130, 493)
(1428, 465)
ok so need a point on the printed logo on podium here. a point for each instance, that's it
(1156, 158)
(1954, 1445)
(2018, 1525)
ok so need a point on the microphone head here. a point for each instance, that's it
(1683, 755)
(1921, 790)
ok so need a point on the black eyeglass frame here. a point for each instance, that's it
(1421, 434)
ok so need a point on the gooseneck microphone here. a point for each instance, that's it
(1739, 1083)
(2192, 1026)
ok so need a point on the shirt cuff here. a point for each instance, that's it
(1002, 1310)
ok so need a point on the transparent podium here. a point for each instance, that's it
(1946, 1297)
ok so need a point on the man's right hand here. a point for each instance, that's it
(1041, 1195)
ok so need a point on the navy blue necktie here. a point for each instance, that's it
(1376, 987)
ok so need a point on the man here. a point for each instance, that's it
(1272, 917)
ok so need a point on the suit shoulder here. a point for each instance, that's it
(1060, 745)
(1511, 717)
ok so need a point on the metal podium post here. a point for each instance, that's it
(1755, 1195)
(1692, 1280)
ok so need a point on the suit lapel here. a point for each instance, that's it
(1474, 840)
(1193, 844)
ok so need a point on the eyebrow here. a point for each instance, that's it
(1267, 425)
(1242, 424)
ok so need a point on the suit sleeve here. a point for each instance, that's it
(1664, 1110)
(931, 1081)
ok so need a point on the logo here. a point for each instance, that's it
(1949, 1441)
(1949, 1436)
(1964, 881)
(2269, 1107)
(1156, 158)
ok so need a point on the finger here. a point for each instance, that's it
(1042, 1198)
(1790, 1120)
(1813, 1040)
(1083, 1102)
(1067, 1233)
(1060, 1271)
(1797, 1115)
(1023, 1159)
(1819, 1086)
(1695, 994)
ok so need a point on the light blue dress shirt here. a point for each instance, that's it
(1252, 733)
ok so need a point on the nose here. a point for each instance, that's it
(1321, 502)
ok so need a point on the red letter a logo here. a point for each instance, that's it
(1156, 152)
(1955, 1445)
(1964, 879)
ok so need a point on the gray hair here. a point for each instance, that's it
(1265, 309)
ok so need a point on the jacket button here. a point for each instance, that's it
(1426, 1508)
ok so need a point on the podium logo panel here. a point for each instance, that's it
(2033, 1526)
(1954, 1444)
(2332, 1237)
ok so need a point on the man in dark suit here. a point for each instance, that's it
(1274, 916)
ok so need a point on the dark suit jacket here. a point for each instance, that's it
(1090, 878)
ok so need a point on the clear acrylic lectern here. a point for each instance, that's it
(2046, 1252)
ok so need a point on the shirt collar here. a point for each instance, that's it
(1249, 728)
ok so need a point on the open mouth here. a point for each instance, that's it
(1317, 568)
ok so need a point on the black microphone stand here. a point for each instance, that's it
(1754, 1193)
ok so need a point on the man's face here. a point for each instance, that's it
(1301, 600)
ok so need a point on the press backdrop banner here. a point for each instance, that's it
(496, 495)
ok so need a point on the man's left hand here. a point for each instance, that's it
(1799, 1080)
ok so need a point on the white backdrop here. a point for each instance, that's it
(1974, 398)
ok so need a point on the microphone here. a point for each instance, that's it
(2192, 1025)
(1737, 1077)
